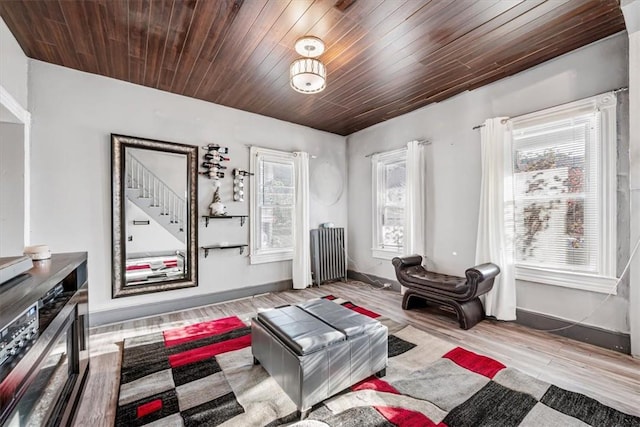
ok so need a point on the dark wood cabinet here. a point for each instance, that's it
(44, 382)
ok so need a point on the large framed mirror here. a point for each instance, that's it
(154, 215)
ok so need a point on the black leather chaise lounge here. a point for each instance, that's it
(458, 293)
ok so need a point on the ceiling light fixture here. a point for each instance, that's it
(308, 74)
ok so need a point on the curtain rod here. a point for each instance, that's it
(422, 142)
(503, 121)
(311, 156)
(620, 89)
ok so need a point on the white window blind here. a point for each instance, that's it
(556, 193)
(276, 204)
(389, 194)
(272, 206)
(564, 173)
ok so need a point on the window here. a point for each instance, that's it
(564, 185)
(272, 205)
(389, 195)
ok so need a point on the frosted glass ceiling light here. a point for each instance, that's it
(308, 75)
(309, 46)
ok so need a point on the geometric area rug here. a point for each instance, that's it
(203, 375)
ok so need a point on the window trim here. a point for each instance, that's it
(261, 256)
(376, 184)
(575, 280)
(605, 280)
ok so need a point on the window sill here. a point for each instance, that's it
(574, 280)
(264, 258)
(385, 254)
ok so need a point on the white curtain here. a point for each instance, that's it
(414, 239)
(301, 249)
(495, 222)
(415, 200)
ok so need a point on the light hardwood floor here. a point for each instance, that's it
(610, 377)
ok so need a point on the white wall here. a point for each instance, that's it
(11, 189)
(74, 113)
(13, 66)
(631, 10)
(453, 170)
(169, 167)
(152, 238)
(14, 136)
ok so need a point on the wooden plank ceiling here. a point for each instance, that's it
(384, 57)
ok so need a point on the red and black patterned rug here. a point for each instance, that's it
(203, 375)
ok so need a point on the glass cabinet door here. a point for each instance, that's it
(43, 400)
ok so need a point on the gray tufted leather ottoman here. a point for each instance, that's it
(317, 348)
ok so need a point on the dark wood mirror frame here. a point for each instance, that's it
(118, 200)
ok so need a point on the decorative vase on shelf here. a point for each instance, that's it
(216, 206)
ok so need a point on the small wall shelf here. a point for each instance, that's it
(243, 218)
(240, 246)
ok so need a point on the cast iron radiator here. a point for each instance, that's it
(328, 256)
